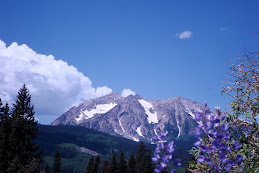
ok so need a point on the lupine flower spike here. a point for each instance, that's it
(163, 153)
(215, 150)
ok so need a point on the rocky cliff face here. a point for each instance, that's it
(133, 117)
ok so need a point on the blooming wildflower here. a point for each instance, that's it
(201, 159)
(238, 159)
(236, 145)
(215, 152)
(163, 154)
(173, 171)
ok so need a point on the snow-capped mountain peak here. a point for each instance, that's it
(133, 117)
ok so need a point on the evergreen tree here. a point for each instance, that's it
(142, 149)
(105, 167)
(47, 169)
(23, 130)
(139, 155)
(96, 164)
(143, 160)
(131, 164)
(122, 164)
(112, 167)
(4, 136)
(57, 163)
(145, 165)
(90, 166)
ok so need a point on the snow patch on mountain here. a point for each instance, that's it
(190, 112)
(121, 124)
(179, 133)
(138, 130)
(81, 115)
(152, 117)
(135, 139)
(99, 109)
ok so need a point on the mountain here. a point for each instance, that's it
(134, 117)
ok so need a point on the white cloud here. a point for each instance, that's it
(185, 34)
(54, 85)
(127, 92)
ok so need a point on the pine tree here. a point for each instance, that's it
(23, 129)
(145, 165)
(131, 164)
(90, 166)
(143, 161)
(96, 164)
(5, 129)
(105, 167)
(57, 163)
(112, 167)
(122, 164)
(141, 152)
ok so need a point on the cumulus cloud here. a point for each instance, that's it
(185, 34)
(127, 92)
(54, 85)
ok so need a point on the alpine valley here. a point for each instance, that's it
(134, 117)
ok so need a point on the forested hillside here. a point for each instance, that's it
(68, 139)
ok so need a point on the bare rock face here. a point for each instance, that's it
(134, 117)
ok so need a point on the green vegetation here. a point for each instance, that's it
(18, 128)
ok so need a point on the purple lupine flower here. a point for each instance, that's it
(173, 171)
(201, 159)
(163, 154)
(236, 145)
(225, 127)
(198, 130)
(215, 152)
(170, 147)
(177, 163)
(156, 157)
(198, 116)
(208, 161)
(158, 168)
(238, 160)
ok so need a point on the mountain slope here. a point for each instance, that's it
(133, 117)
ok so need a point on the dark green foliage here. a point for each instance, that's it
(122, 164)
(50, 139)
(131, 164)
(90, 166)
(105, 167)
(5, 128)
(112, 167)
(96, 164)
(47, 169)
(57, 163)
(50, 136)
(142, 149)
(144, 162)
(24, 128)
(18, 128)
(15, 166)
(145, 165)
(32, 167)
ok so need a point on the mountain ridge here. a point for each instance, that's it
(134, 117)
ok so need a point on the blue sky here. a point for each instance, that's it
(125, 44)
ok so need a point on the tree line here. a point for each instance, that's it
(141, 163)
